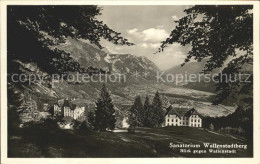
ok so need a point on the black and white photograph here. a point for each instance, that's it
(130, 81)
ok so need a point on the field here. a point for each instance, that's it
(146, 142)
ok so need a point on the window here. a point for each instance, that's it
(195, 120)
(198, 120)
(168, 120)
(172, 120)
(191, 120)
(191, 124)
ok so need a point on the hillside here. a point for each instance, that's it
(89, 55)
(146, 142)
(189, 68)
(122, 93)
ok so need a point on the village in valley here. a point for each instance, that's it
(73, 110)
(135, 115)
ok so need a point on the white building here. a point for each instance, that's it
(68, 108)
(72, 110)
(182, 116)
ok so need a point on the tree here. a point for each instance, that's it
(158, 114)
(148, 112)
(105, 112)
(34, 30)
(211, 127)
(136, 113)
(14, 101)
(218, 33)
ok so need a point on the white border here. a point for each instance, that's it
(4, 159)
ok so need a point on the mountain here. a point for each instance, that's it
(189, 68)
(197, 67)
(89, 55)
(49, 91)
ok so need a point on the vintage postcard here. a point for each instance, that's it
(128, 81)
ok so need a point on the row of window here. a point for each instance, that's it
(172, 120)
(185, 123)
(192, 125)
(195, 125)
(195, 120)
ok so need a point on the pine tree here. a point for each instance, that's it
(105, 112)
(158, 115)
(147, 122)
(135, 113)
(211, 127)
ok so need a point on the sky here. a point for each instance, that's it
(146, 27)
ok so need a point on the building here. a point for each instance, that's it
(68, 108)
(72, 110)
(57, 107)
(182, 116)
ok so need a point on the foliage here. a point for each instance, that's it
(14, 101)
(135, 117)
(147, 115)
(13, 121)
(91, 118)
(234, 131)
(158, 114)
(33, 30)
(76, 124)
(105, 112)
(217, 33)
(147, 122)
(241, 118)
(211, 127)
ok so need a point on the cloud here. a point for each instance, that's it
(160, 26)
(154, 34)
(151, 34)
(145, 45)
(175, 50)
(112, 50)
(132, 31)
(175, 18)
(150, 45)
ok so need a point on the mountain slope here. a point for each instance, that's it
(89, 55)
(189, 68)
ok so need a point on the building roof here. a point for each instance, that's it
(60, 102)
(67, 103)
(181, 111)
(79, 103)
